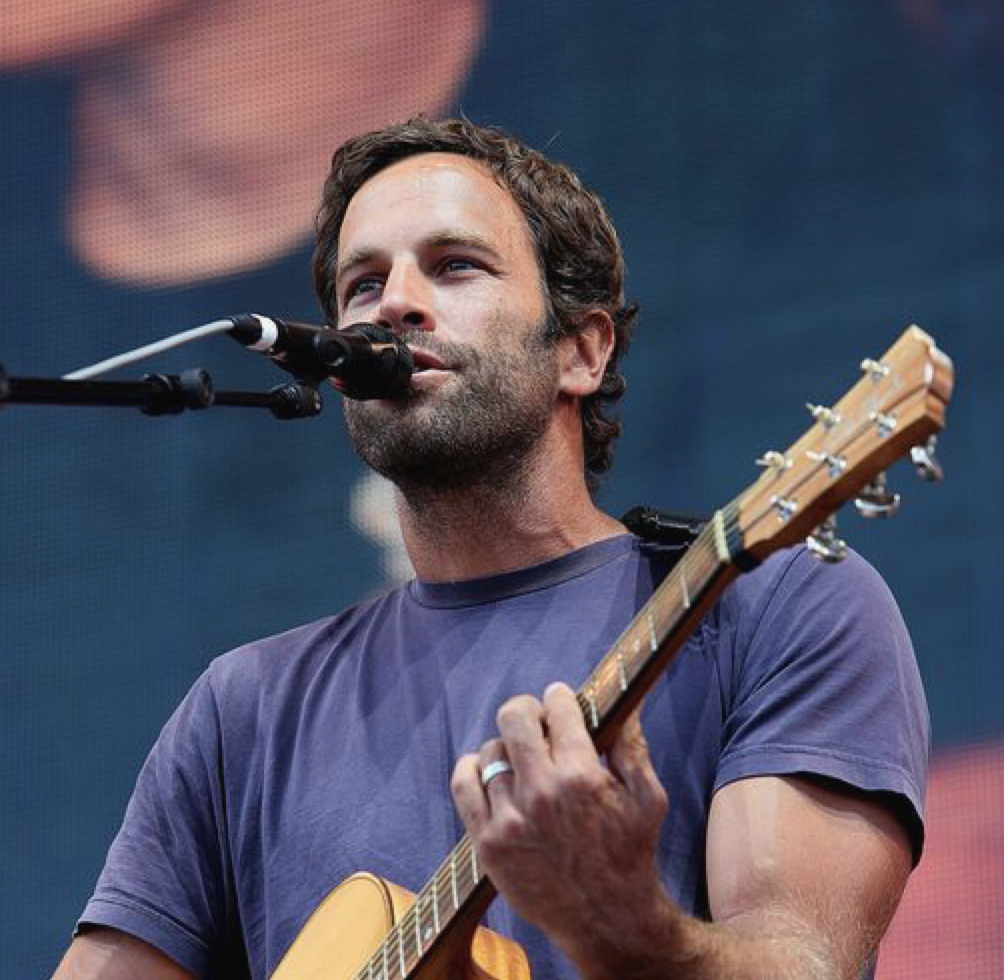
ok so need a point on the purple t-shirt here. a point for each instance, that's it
(303, 758)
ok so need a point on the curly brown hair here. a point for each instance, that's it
(577, 248)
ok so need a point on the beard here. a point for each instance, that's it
(477, 428)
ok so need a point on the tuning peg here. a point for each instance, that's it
(886, 422)
(876, 370)
(835, 465)
(827, 417)
(824, 544)
(785, 507)
(924, 458)
(876, 499)
(773, 460)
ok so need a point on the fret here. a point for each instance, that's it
(594, 713)
(430, 933)
(621, 672)
(474, 865)
(386, 975)
(453, 881)
(418, 927)
(400, 951)
(653, 641)
(683, 584)
(435, 908)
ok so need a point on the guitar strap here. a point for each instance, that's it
(676, 532)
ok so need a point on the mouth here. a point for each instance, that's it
(425, 361)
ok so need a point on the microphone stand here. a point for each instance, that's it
(162, 394)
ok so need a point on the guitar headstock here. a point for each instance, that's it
(898, 404)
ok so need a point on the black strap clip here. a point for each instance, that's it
(662, 527)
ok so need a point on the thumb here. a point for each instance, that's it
(631, 761)
(630, 753)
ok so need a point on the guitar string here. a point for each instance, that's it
(633, 652)
(399, 944)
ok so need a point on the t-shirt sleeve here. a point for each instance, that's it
(166, 878)
(824, 682)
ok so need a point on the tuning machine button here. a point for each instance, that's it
(924, 458)
(826, 417)
(876, 499)
(875, 370)
(824, 544)
(774, 461)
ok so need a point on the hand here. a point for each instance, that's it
(569, 842)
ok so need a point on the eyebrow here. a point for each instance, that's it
(436, 239)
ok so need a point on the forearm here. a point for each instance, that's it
(670, 945)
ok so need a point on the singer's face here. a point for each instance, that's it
(434, 244)
(434, 248)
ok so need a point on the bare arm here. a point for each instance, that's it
(803, 880)
(108, 954)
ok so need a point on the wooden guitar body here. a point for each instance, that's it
(345, 931)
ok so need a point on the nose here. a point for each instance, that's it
(406, 301)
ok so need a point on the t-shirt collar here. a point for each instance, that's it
(493, 588)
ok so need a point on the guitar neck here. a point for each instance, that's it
(657, 633)
(459, 892)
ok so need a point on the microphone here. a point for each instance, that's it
(365, 361)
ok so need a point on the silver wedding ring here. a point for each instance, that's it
(494, 769)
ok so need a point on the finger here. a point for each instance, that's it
(570, 742)
(468, 794)
(494, 766)
(521, 727)
(494, 750)
(495, 770)
(631, 762)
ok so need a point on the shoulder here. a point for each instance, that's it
(267, 666)
(817, 626)
(819, 677)
(792, 589)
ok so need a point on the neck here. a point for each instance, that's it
(501, 523)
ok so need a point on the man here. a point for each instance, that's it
(791, 733)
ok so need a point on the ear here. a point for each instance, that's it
(583, 356)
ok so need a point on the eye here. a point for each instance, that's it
(361, 286)
(457, 264)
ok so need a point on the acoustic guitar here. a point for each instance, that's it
(370, 929)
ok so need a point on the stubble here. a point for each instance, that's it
(477, 431)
